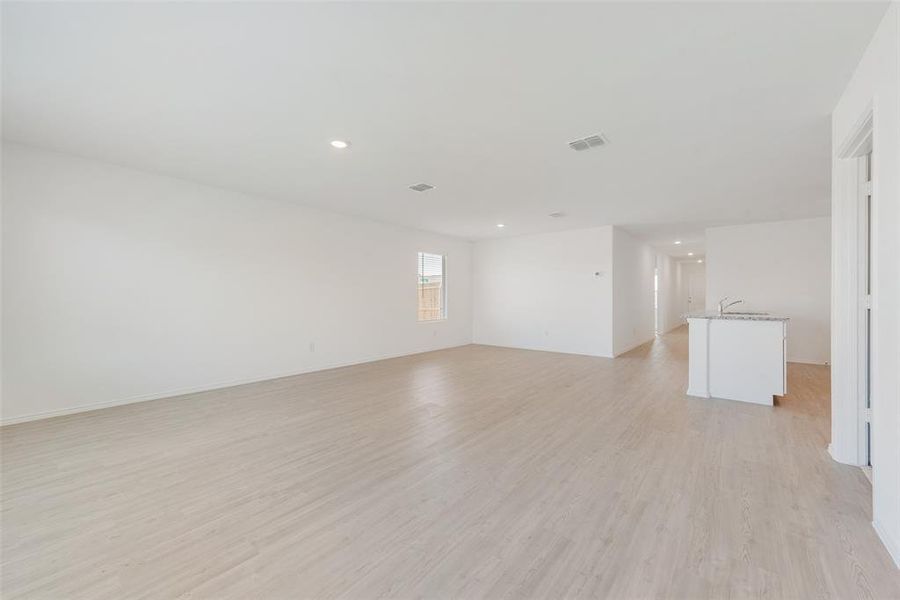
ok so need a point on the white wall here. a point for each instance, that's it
(121, 285)
(782, 268)
(540, 292)
(633, 266)
(874, 85)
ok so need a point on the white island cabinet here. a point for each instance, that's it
(737, 356)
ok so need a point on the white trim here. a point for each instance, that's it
(867, 471)
(847, 425)
(672, 328)
(536, 349)
(862, 300)
(859, 140)
(807, 361)
(892, 545)
(635, 345)
(201, 388)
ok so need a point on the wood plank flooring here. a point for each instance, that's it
(475, 472)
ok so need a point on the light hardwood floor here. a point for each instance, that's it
(476, 472)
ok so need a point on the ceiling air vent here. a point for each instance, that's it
(421, 187)
(592, 141)
(578, 145)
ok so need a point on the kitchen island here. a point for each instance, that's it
(737, 356)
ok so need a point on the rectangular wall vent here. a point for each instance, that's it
(421, 187)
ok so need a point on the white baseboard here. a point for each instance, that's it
(867, 471)
(892, 545)
(537, 349)
(673, 328)
(635, 345)
(49, 414)
(852, 463)
(804, 361)
(833, 457)
(199, 388)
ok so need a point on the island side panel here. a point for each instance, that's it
(746, 360)
(698, 358)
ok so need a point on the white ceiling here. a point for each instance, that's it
(716, 112)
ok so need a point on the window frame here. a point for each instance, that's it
(444, 311)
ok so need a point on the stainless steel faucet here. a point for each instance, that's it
(723, 306)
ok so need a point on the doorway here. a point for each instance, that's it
(656, 301)
(696, 279)
(854, 313)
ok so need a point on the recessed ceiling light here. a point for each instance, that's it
(677, 242)
(339, 144)
(500, 225)
(690, 253)
(700, 260)
(421, 187)
(557, 215)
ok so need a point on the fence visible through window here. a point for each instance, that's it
(432, 289)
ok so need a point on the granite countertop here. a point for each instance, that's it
(738, 316)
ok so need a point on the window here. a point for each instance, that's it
(432, 287)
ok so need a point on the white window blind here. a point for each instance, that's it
(432, 287)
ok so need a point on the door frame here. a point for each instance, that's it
(852, 308)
